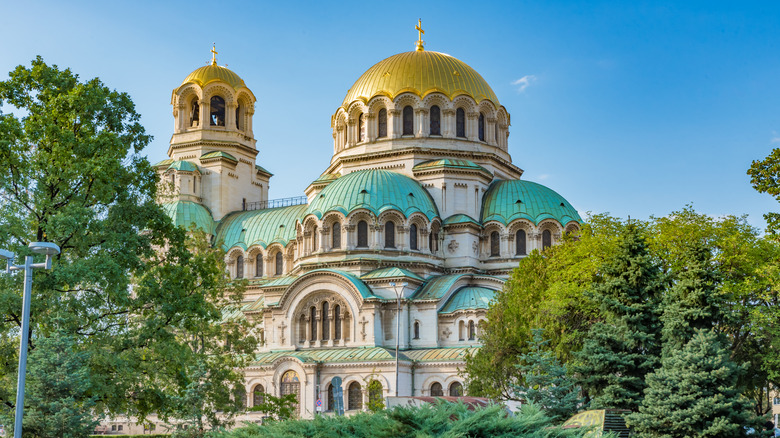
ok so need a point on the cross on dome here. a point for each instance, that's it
(420, 33)
(214, 54)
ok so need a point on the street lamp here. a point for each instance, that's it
(48, 249)
(398, 295)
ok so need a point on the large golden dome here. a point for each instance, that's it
(420, 72)
(213, 72)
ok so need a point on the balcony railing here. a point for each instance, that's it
(274, 203)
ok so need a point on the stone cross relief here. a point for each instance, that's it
(282, 326)
(363, 330)
(446, 332)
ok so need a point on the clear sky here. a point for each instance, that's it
(633, 108)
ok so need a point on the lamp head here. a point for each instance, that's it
(6, 255)
(46, 248)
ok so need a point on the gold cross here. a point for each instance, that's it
(420, 33)
(214, 54)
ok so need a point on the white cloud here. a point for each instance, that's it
(544, 176)
(775, 138)
(523, 82)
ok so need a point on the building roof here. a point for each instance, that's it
(420, 72)
(183, 165)
(259, 227)
(469, 298)
(506, 201)
(451, 163)
(364, 290)
(211, 73)
(436, 287)
(218, 154)
(364, 354)
(460, 219)
(186, 213)
(391, 272)
(375, 190)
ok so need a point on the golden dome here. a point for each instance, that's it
(420, 72)
(213, 72)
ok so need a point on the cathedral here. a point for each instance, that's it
(399, 245)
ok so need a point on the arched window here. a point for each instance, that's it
(362, 234)
(239, 395)
(481, 125)
(435, 120)
(382, 123)
(461, 331)
(460, 123)
(408, 119)
(336, 238)
(238, 117)
(291, 384)
(325, 321)
(259, 265)
(546, 239)
(302, 329)
(520, 242)
(472, 331)
(240, 267)
(413, 237)
(495, 244)
(314, 239)
(331, 390)
(279, 266)
(354, 397)
(361, 133)
(258, 395)
(436, 390)
(194, 113)
(495, 131)
(433, 242)
(456, 389)
(417, 330)
(389, 234)
(375, 394)
(313, 323)
(217, 111)
(336, 323)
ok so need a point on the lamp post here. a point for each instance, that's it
(49, 249)
(398, 295)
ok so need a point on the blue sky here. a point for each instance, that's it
(633, 108)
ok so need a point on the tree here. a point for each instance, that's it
(278, 408)
(620, 351)
(545, 382)
(765, 177)
(141, 299)
(694, 394)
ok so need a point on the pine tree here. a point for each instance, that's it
(620, 351)
(694, 394)
(546, 384)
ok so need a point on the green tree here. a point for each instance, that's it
(278, 408)
(620, 351)
(765, 177)
(694, 394)
(545, 381)
(142, 300)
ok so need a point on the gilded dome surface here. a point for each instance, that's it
(420, 72)
(213, 72)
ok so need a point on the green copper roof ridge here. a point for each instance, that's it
(403, 272)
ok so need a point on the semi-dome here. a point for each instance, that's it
(374, 190)
(420, 72)
(211, 73)
(188, 213)
(506, 201)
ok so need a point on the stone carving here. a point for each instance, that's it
(475, 247)
(363, 323)
(446, 332)
(453, 245)
(282, 326)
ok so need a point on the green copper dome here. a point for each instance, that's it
(185, 213)
(376, 191)
(469, 298)
(259, 227)
(506, 201)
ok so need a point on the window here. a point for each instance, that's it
(279, 263)
(259, 265)
(481, 125)
(314, 239)
(389, 234)
(194, 113)
(362, 234)
(217, 111)
(325, 321)
(460, 123)
(776, 401)
(361, 133)
(456, 389)
(258, 395)
(461, 331)
(354, 397)
(331, 390)
(435, 120)
(413, 237)
(238, 117)
(408, 119)
(302, 329)
(382, 123)
(240, 267)
(417, 330)
(239, 396)
(472, 331)
(291, 384)
(313, 323)
(436, 390)
(520, 242)
(495, 244)
(336, 239)
(336, 323)
(546, 239)
(433, 242)
(495, 131)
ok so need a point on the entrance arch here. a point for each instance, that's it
(290, 383)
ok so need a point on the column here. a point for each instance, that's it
(332, 324)
(402, 238)
(394, 123)
(422, 242)
(230, 117)
(472, 132)
(205, 114)
(490, 135)
(249, 111)
(448, 121)
(351, 133)
(324, 241)
(422, 127)
(349, 241)
(371, 127)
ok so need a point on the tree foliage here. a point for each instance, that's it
(278, 408)
(140, 299)
(765, 177)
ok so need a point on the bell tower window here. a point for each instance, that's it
(194, 113)
(435, 120)
(382, 123)
(361, 129)
(389, 234)
(217, 111)
(238, 117)
(408, 119)
(460, 123)
(481, 127)
(362, 234)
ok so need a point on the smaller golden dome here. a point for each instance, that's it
(213, 72)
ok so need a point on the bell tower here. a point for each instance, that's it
(212, 111)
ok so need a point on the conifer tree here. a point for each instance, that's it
(622, 349)
(694, 394)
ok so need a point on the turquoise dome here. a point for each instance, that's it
(376, 191)
(506, 201)
(259, 227)
(469, 298)
(186, 213)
